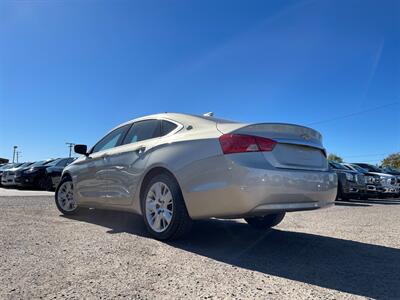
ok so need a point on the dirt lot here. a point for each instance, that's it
(348, 251)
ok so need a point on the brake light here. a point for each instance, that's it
(237, 143)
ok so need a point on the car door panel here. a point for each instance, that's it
(90, 180)
(125, 171)
(126, 164)
(91, 183)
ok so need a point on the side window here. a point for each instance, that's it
(65, 162)
(143, 130)
(167, 127)
(111, 140)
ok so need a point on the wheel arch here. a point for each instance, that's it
(151, 172)
(66, 174)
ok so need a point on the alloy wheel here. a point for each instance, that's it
(65, 196)
(159, 207)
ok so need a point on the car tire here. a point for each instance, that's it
(163, 208)
(41, 183)
(265, 222)
(340, 196)
(49, 184)
(64, 197)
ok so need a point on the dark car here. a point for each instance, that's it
(394, 172)
(373, 182)
(388, 181)
(8, 177)
(34, 175)
(53, 173)
(351, 184)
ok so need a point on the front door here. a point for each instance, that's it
(91, 181)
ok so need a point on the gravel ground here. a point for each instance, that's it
(345, 252)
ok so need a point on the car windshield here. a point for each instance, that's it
(38, 163)
(53, 162)
(16, 165)
(337, 166)
(6, 166)
(347, 167)
(25, 165)
(372, 168)
(390, 169)
(359, 169)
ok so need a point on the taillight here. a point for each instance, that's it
(237, 143)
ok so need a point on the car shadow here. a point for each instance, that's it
(344, 265)
(386, 201)
(349, 203)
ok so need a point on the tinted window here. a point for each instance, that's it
(64, 162)
(111, 140)
(38, 163)
(337, 166)
(359, 169)
(167, 127)
(370, 168)
(143, 130)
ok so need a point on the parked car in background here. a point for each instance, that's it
(351, 184)
(388, 181)
(34, 175)
(8, 178)
(53, 172)
(394, 172)
(390, 170)
(173, 168)
(373, 182)
(6, 167)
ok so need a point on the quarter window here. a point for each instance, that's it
(167, 127)
(111, 140)
(143, 130)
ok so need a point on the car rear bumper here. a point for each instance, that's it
(234, 190)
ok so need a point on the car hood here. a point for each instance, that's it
(37, 168)
(382, 174)
(346, 171)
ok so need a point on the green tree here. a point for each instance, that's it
(335, 158)
(393, 160)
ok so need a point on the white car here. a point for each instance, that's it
(174, 168)
(8, 177)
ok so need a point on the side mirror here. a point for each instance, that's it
(81, 149)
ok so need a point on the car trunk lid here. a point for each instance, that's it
(297, 147)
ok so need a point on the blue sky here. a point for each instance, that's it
(71, 70)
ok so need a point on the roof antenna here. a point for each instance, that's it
(209, 114)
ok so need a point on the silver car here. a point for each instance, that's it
(174, 168)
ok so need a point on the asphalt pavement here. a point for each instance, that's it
(348, 251)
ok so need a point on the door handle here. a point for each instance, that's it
(141, 149)
(104, 156)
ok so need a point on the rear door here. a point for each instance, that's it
(126, 163)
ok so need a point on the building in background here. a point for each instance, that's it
(3, 160)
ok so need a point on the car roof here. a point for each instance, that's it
(184, 119)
